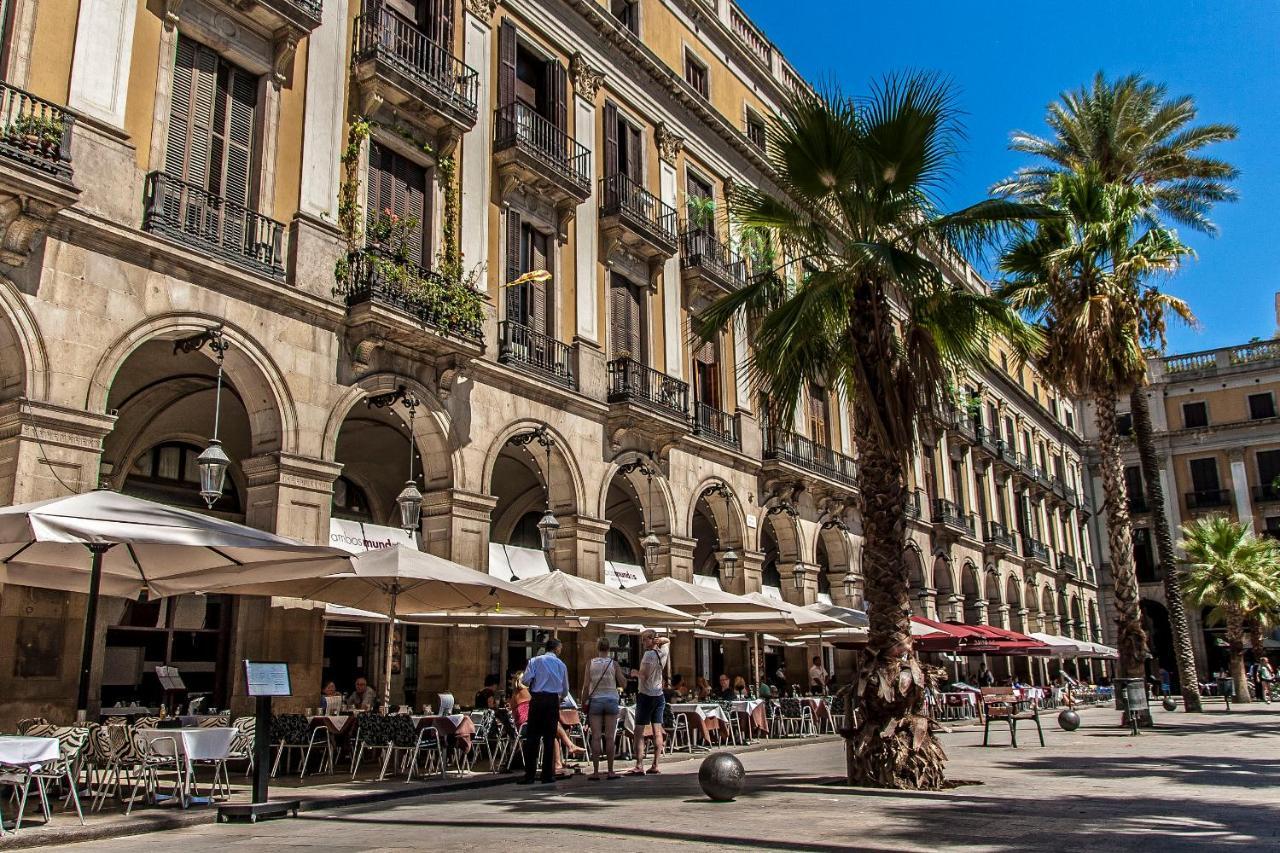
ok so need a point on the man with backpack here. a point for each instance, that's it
(651, 701)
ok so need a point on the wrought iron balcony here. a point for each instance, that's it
(297, 18)
(999, 537)
(35, 132)
(1035, 550)
(711, 423)
(1266, 493)
(1208, 499)
(710, 263)
(1067, 564)
(529, 147)
(950, 515)
(1007, 454)
(533, 351)
(374, 278)
(912, 508)
(225, 229)
(392, 49)
(794, 449)
(635, 217)
(633, 382)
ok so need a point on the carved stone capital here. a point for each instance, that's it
(171, 10)
(669, 143)
(586, 80)
(23, 221)
(283, 51)
(482, 9)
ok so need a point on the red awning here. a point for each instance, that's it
(1011, 642)
(975, 639)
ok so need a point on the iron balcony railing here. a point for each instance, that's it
(949, 514)
(633, 382)
(1067, 564)
(384, 34)
(710, 422)
(518, 126)
(224, 228)
(1208, 499)
(700, 248)
(623, 197)
(542, 354)
(35, 132)
(374, 277)
(999, 536)
(312, 8)
(1034, 549)
(912, 508)
(793, 448)
(1266, 492)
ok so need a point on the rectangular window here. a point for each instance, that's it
(532, 85)
(957, 484)
(628, 14)
(1268, 462)
(1144, 556)
(1071, 420)
(706, 374)
(819, 416)
(623, 146)
(1124, 424)
(1262, 406)
(1195, 415)
(212, 123)
(528, 249)
(626, 320)
(396, 204)
(1204, 475)
(695, 74)
(756, 132)
(700, 201)
(1134, 489)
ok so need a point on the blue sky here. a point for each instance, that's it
(1009, 59)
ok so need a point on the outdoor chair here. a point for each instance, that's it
(483, 739)
(1001, 703)
(293, 733)
(796, 718)
(679, 727)
(242, 742)
(401, 738)
(110, 760)
(157, 759)
(732, 723)
(506, 740)
(577, 733)
(219, 722)
(28, 723)
(429, 748)
(836, 715)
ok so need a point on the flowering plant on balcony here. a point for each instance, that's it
(37, 131)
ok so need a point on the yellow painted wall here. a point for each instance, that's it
(143, 70)
(51, 50)
(289, 138)
(1226, 405)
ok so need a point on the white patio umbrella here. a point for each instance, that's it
(695, 599)
(105, 543)
(582, 597)
(781, 618)
(395, 581)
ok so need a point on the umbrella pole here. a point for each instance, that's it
(391, 637)
(90, 629)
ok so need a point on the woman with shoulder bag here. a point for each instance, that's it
(600, 688)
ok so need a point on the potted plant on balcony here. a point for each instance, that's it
(702, 213)
(37, 132)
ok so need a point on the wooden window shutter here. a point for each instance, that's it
(624, 320)
(515, 310)
(557, 84)
(538, 301)
(436, 20)
(234, 116)
(506, 64)
(610, 140)
(188, 155)
(633, 322)
(410, 184)
(635, 155)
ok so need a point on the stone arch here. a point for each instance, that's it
(785, 529)
(948, 607)
(1077, 617)
(918, 583)
(995, 590)
(257, 379)
(1094, 632)
(727, 512)
(1031, 600)
(975, 604)
(441, 467)
(560, 472)
(1048, 611)
(659, 512)
(1013, 598)
(24, 359)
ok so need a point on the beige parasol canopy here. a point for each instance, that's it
(581, 597)
(695, 599)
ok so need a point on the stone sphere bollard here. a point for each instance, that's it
(1169, 703)
(721, 776)
(1069, 720)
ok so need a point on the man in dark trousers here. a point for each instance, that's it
(548, 683)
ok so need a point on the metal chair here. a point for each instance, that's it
(294, 733)
(429, 748)
(155, 757)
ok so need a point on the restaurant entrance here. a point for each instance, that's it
(346, 654)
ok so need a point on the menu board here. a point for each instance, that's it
(267, 678)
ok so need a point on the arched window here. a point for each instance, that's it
(168, 474)
(617, 548)
(525, 534)
(350, 501)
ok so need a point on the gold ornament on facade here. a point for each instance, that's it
(670, 144)
(586, 80)
(483, 9)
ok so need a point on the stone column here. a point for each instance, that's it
(951, 609)
(290, 495)
(808, 593)
(675, 558)
(926, 603)
(942, 458)
(48, 451)
(1240, 487)
(580, 546)
(455, 525)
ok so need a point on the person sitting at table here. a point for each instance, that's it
(518, 700)
(726, 688)
(701, 689)
(679, 690)
(487, 698)
(765, 690)
(363, 698)
(330, 698)
(739, 687)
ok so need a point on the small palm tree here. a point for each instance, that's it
(1235, 573)
(875, 315)
(1075, 275)
(1130, 132)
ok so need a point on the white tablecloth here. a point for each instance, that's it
(455, 719)
(195, 744)
(746, 706)
(18, 751)
(704, 712)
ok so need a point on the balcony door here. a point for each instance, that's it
(818, 413)
(528, 249)
(706, 375)
(623, 146)
(1204, 480)
(699, 203)
(432, 18)
(396, 205)
(213, 116)
(1268, 472)
(626, 319)
(532, 86)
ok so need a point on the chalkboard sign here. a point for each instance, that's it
(267, 678)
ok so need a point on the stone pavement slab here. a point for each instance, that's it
(1203, 782)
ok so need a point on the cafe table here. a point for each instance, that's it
(337, 724)
(456, 729)
(707, 720)
(820, 707)
(193, 744)
(755, 718)
(22, 751)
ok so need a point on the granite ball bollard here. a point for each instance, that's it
(721, 776)
(1169, 703)
(1069, 720)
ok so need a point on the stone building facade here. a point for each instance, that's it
(1215, 421)
(323, 182)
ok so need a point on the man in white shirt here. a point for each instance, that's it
(363, 697)
(818, 676)
(548, 683)
(651, 703)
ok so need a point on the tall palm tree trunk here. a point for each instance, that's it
(1131, 639)
(1186, 660)
(1235, 649)
(891, 745)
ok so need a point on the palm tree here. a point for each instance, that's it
(874, 315)
(1075, 275)
(1235, 573)
(1130, 132)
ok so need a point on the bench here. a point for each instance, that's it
(1002, 703)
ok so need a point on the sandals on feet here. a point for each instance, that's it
(635, 771)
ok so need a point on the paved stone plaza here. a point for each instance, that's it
(1204, 781)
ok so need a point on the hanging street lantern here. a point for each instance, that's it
(213, 462)
(548, 529)
(410, 502)
(728, 564)
(213, 471)
(650, 543)
(798, 575)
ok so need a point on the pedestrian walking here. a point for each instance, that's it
(600, 688)
(650, 700)
(548, 683)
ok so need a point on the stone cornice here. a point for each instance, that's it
(52, 424)
(289, 469)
